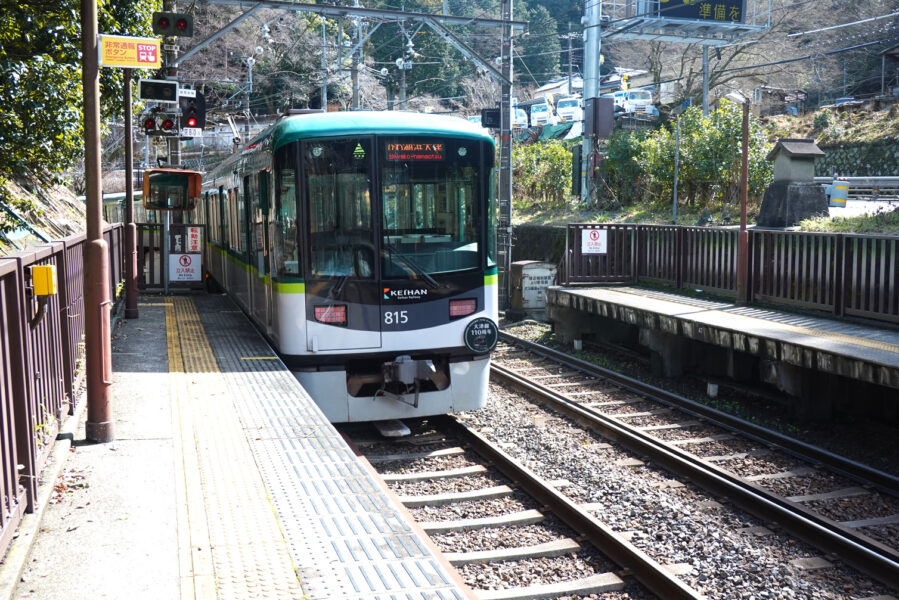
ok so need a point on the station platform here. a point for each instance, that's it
(667, 321)
(225, 481)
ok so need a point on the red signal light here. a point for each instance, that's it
(191, 121)
(181, 24)
(149, 124)
(168, 124)
(164, 22)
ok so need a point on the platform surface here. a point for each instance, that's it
(778, 334)
(225, 481)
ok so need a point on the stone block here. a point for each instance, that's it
(787, 203)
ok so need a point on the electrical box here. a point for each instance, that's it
(43, 280)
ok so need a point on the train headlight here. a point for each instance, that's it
(462, 308)
(331, 314)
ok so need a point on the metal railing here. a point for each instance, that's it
(41, 360)
(150, 255)
(845, 274)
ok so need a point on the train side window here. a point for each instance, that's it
(240, 221)
(286, 258)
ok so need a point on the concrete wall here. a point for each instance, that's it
(538, 242)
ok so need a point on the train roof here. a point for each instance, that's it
(338, 124)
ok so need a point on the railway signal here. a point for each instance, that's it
(193, 111)
(158, 90)
(173, 24)
(168, 124)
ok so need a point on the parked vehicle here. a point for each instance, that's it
(520, 119)
(569, 110)
(541, 114)
(636, 101)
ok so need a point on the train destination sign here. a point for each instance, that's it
(730, 11)
(129, 52)
(415, 151)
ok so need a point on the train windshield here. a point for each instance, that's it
(429, 193)
(338, 187)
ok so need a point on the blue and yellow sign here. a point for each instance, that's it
(727, 11)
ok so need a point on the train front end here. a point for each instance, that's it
(399, 264)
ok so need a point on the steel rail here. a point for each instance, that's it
(861, 552)
(883, 481)
(646, 570)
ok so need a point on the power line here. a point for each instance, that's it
(844, 24)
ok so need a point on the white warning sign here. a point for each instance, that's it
(593, 241)
(185, 267)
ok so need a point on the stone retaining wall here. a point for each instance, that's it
(879, 159)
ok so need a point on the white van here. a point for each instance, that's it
(542, 115)
(638, 101)
(569, 110)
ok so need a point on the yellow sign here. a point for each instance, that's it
(129, 52)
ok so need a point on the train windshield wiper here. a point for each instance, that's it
(410, 264)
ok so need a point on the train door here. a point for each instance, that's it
(257, 246)
(343, 298)
(262, 227)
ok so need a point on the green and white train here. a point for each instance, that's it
(362, 244)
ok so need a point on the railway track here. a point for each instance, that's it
(841, 507)
(487, 511)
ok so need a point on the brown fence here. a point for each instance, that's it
(615, 265)
(41, 360)
(841, 273)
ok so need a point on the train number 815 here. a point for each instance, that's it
(396, 317)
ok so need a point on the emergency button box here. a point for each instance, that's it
(43, 280)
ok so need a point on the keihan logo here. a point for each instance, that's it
(390, 294)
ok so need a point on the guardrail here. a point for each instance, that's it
(866, 187)
(41, 360)
(845, 274)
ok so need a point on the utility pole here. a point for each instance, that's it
(324, 72)
(401, 63)
(705, 80)
(505, 157)
(592, 47)
(357, 58)
(97, 297)
(570, 90)
(249, 90)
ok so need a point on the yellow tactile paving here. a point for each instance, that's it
(230, 541)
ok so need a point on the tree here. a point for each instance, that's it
(538, 55)
(40, 81)
(709, 156)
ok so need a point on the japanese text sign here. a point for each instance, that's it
(129, 52)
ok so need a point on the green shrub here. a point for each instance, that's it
(542, 175)
(822, 120)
